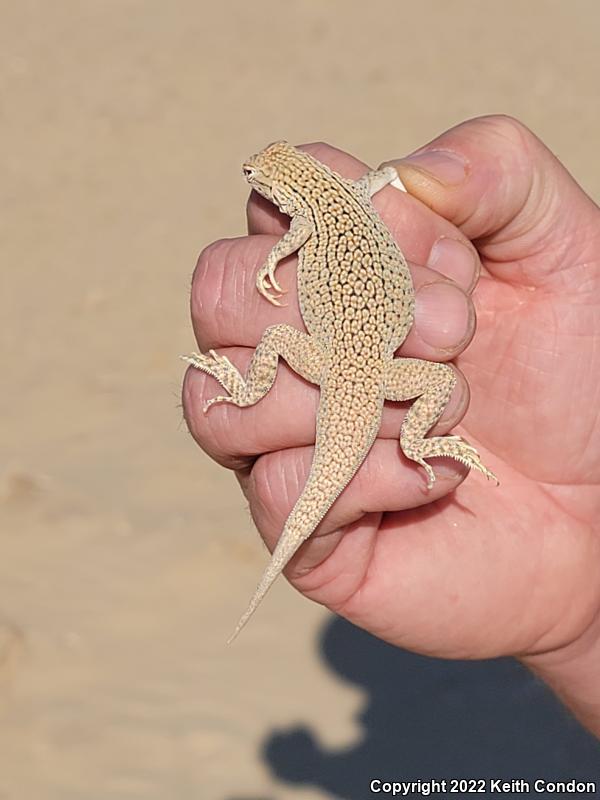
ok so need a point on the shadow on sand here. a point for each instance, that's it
(428, 718)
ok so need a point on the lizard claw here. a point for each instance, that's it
(267, 278)
(273, 299)
(268, 284)
(274, 283)
(490, 475)
(266, 281)
(263, 287)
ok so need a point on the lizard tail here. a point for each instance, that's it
(331, 471)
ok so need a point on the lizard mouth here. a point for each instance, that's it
(257, 182)
(256, 178)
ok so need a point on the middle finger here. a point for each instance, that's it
(227, 309)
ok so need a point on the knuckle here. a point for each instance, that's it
(207, 291)
(191, 399)
(508, 129)
(211, 431)
(276, 482)
(264, 495)
(207, 276)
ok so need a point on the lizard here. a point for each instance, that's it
(356, 298)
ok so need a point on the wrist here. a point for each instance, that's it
(573, 673)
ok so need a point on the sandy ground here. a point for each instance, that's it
(126, 554)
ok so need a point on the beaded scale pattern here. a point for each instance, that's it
(357, 302)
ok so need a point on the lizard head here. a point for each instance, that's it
(273, 173)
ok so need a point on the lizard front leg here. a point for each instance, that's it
(375, 180)
(431, 384)
(299, 349)
(299, 232)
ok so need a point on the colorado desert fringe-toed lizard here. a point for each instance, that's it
(357, 302)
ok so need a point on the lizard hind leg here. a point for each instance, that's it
(299, 350)
(431, 384)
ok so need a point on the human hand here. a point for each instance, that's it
(482, 571)
(534, 369)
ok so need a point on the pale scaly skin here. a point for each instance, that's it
(357, 302)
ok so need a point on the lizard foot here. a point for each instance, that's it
(265, 281)
(450, 447)
(221, 368)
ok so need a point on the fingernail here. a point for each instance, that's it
(457, 404)
(456, 261)
(444, 316)
(443, 165)
(448, 468)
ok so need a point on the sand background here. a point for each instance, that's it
(126, 554)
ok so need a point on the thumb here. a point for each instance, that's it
(504, 189)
